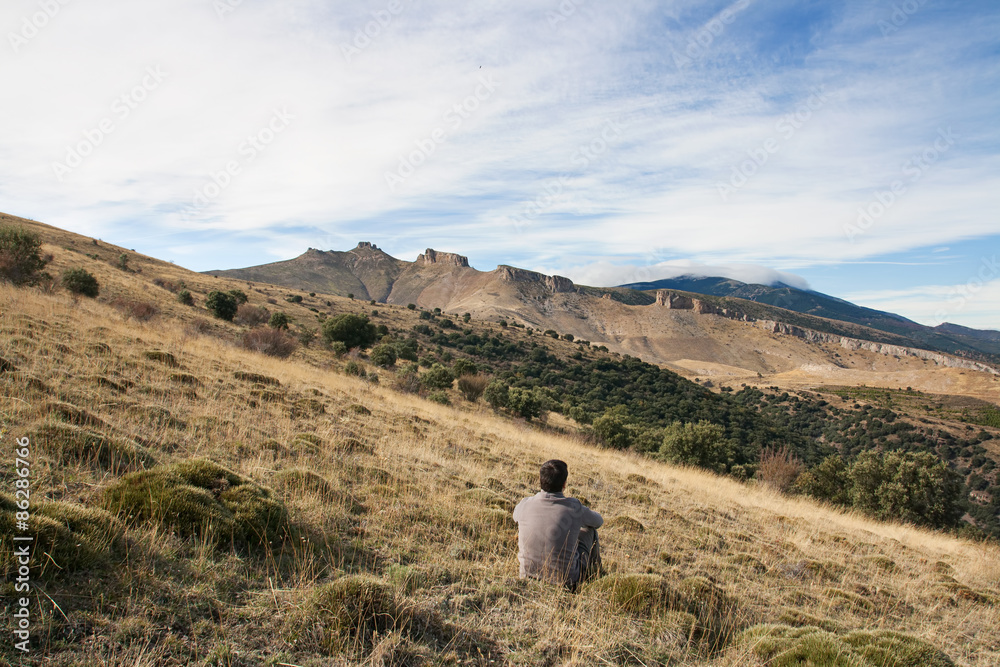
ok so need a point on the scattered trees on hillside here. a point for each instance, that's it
(915, 487)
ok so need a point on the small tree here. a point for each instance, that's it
(524, 403)
(185, 298)
(438, 377)
(497, 394)
(221, 304)
(613, 427)
(906, 486)
(352, 330)
(383, 355)
(307, 336)
(279, 321)
(828, 481)
(703, 444)
(463, 367)
(239, 295)
(80, 281)
(20, 255)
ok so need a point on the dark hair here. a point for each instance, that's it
(553, 475)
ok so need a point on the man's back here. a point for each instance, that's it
(549, 527)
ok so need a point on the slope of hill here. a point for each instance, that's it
(946, 337)
(353, 524)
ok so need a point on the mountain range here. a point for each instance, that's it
(662, 322)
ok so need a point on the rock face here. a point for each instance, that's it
(431, 256)
(365, 245)
(879, 348)
(512, 274)
(672, 300)
(676, 301)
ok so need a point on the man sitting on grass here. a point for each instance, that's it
(557, 536)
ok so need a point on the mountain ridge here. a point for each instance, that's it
(446, 280)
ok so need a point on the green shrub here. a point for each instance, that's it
(463, 367)
(438, 377)
(338, 348)
(239, 295)
(613, 427)
(279, 320)
(20, 255)
(80, 281)
(703, 444)
(199, 498)
(350, 329)
(221, 304)
(906, 486)
(355, 369)
(439, 397)
(524, 403)
(294, 298)
(784, 646)
(827, 481)
(383, 355)
(184, 297)
(497, 394)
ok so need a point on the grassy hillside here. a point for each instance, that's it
(195, 503)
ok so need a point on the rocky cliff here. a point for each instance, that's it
(513, 274)
(431, 256)
(672, 300)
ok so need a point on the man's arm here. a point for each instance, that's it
(592, 518)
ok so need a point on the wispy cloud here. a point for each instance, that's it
(370, 85)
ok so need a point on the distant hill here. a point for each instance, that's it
(947, 337)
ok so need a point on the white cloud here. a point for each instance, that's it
(607, 274)
(531, 174)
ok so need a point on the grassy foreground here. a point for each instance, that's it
(195, 503)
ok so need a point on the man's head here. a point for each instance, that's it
(553, 476)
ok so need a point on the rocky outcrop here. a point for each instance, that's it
(434, 257)
(854, 344)
(513, 274)
(365, 245)
(676, 301)
(672, 300)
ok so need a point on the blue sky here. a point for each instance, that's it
(853, 148)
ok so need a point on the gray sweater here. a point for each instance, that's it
(548, 529)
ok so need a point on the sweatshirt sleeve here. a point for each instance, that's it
(517, 511)
(592, 518)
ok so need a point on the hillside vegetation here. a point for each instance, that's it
(198, 503)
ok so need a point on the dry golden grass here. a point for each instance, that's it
(396, 506)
